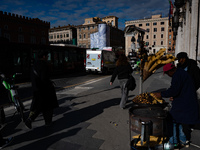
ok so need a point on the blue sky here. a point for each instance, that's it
(64, 12)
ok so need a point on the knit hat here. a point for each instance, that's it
(168, 67)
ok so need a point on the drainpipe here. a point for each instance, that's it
(197, 44)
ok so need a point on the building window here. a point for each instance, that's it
(20, 29)
(170, 36)
(154, 43)
(155, 29)
(162, 29)
(170, 30)
(80, 29)
(54, 36)
(112, 22)
(147, 24)
(61, 36)
(84, 36)
(162, 23)
(147, 43)
(83, 28)
(7, 36)
(43, 40)
(148, 30)
(80, 36)
(169, 42)
(154, 36)
(20, 38)
(6, 27)
(147, 36)
(93, 27)
(88, 28)
(155, 23)
(67, 35)
(50, 36)
(33, 39)
(140, 25)
(161, 35)
(161, 43)
(58, 36)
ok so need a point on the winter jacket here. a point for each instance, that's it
(191, 67)
(122, 71)
(184, 105)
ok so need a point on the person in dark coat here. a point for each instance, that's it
(123, 70)
(44, 95)
(190, 66)
(182, 92)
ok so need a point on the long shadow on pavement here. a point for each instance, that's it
(69, 119)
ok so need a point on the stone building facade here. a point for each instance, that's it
(156, 35)
(21, 29)
(64, 34)
(90, 26)
(111, 20)
(171, 41)
(186, 26)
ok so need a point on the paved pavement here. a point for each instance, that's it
(89, 118)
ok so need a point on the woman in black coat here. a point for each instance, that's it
(123, 70)
(44, 95)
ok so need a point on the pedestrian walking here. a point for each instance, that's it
(123, 70)
(184, 110)
(44, 95)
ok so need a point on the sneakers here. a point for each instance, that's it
(186, 144)
(6, 142)
(28, 123)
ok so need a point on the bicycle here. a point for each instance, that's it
(9, 84)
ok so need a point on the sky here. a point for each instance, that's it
(74, 12)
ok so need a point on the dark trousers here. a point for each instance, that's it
(48, 114)
(187, 130)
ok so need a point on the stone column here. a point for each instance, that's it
(193, 39)
(187, 29)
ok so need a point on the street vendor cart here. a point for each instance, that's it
(147, 115)
(147, 119)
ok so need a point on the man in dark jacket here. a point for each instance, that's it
(44, 95)
(184, 109)
(190, 66)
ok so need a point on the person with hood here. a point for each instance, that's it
(44, 95)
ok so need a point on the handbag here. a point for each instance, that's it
(131, 83)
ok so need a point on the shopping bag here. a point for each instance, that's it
(131, 83)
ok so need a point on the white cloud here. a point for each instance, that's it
(62, 12)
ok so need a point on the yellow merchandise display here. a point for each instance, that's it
(153, 141)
